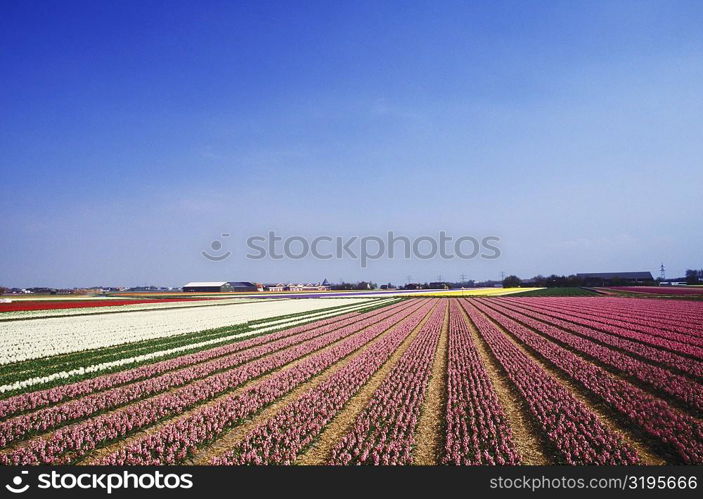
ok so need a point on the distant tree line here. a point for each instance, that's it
(694, 276)
(559, 281)
(540, 281)
(354, 286)
(572, 281)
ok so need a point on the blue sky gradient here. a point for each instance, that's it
(134, 133)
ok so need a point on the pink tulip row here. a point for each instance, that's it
(72, 442)
(58, 415)
(477, 431)
(576, 433)
(678, 344)
(669, 314)
(384, 431)
(662, 290)
(689, 311)
(655, 331)
(678, 386)
(680, 433)
(282, 438)
(667, 308)
(631, 320)
(175, 441)
(41, 398)
(664, 357)
(639, 315)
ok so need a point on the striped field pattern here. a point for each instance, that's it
(445, 380)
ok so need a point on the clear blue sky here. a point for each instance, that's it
(134, 133)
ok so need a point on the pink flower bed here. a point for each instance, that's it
(664, 358)
(575, 432)
(681, 434)
(635, 317)
(177, 440)
(72, 442)
(677, 343)
(680, 387)
(281, 439)
(33, 400)
(48, 418)
(477, 431)
(384, 432)
(661, 290)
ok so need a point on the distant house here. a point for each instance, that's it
(615, 278)
(308, 287)
(207, 287)
(323, 286)
(276, 287)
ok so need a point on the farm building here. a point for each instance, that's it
(616, 278)
(245, 286)
(207, 287)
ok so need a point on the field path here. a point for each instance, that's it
(47, 432)
(607, 419)
(236, 435)
(320, 452)
(430, 429)
(533, 450)
(109, 449)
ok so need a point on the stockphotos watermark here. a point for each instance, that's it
(363, 249)
(106, 482)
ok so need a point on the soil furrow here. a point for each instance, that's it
(106, 450)
(533, 450)
(432, 422)
(604, 414)
(320, 451)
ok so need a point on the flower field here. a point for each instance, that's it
(465, 380)
(663, 290)
(27, 305)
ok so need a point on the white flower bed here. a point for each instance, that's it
(55, 312)
(169, 351)
(35, 338)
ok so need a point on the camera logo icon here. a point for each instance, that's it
(216, 246)
(16, 487)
